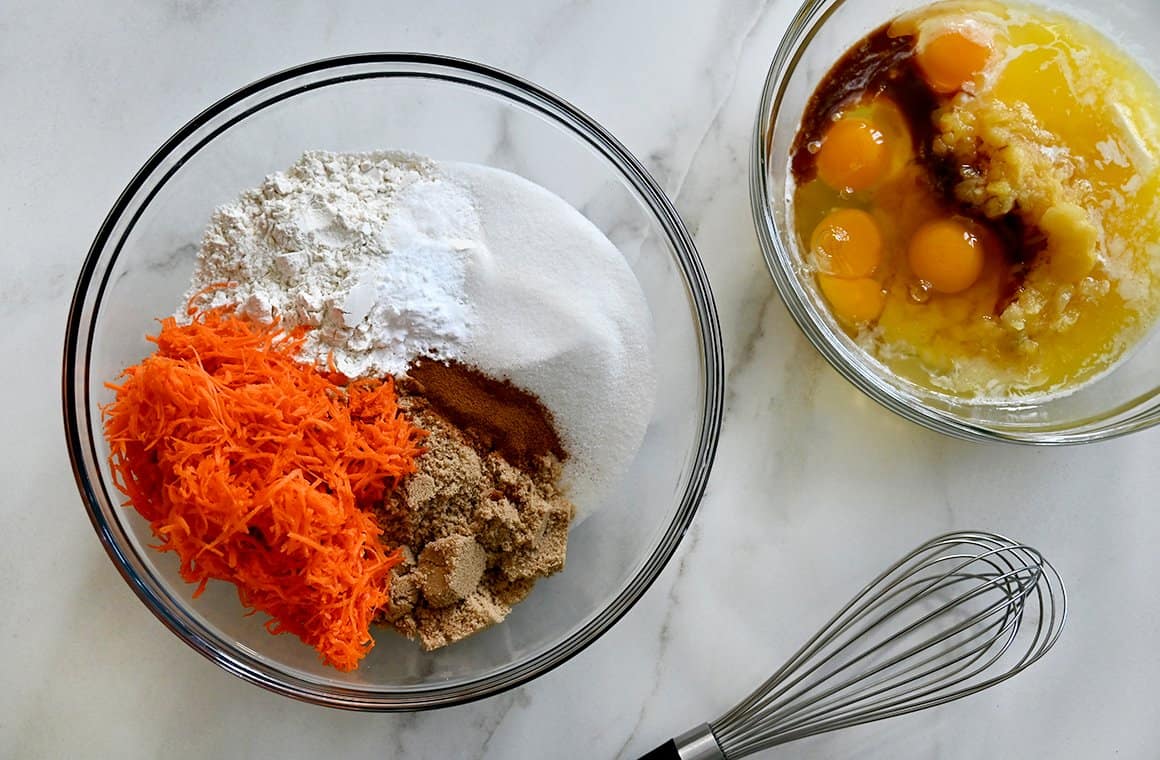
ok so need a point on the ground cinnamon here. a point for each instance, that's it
(494, 414)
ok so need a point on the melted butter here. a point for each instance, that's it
(1096, 113)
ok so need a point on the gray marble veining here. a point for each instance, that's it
(814, 486)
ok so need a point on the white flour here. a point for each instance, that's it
(393, 257)
(370, 249)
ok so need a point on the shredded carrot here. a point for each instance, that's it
(262, 471)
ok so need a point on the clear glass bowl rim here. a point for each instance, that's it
(804, 26)
(85, 307)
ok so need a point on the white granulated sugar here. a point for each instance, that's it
(560, 313)
(371, 249)
(392, 257)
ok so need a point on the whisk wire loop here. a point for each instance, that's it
(958, 614)
(844, 697)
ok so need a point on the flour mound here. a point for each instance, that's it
(369, 248)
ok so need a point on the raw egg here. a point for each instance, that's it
(947, 255)
(847, 243)
(853, 155)
(953, 59)
(855, 301)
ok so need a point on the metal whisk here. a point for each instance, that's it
(960, 613)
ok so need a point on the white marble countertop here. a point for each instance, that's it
(814, 487)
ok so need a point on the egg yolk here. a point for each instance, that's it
(847, 243)
(853, 155)
(946, 255)
(855, 301)
(952, 60)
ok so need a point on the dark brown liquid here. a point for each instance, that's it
(879, 65)
(883, 65)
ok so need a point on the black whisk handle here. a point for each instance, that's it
(667, 751)
(698, 744)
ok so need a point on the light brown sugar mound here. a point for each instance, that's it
(478, 530)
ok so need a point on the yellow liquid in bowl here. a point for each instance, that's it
(1061, 135)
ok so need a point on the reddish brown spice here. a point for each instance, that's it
(495, 415)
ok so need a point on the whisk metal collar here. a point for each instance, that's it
(699, 744)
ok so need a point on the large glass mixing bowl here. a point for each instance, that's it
(141, 262)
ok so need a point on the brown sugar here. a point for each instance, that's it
(450, 569)
(478, 530)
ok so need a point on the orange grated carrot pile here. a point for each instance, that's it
(262, 471)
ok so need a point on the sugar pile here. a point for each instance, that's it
(561, 314)
(393, 257)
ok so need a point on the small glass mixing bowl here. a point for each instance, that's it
(141, 262)
(1123, 401)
